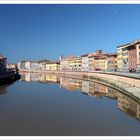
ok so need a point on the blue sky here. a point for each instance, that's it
(33, 32)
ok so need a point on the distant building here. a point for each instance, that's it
(91, 59)
(3, 64)
(65, 63)
(75, 64)
(60, 57)
(21, 65)
(11, 66)
(42, 64)
(32, 65)
(53, 66)
(85, 62)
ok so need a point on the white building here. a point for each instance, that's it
(85, 62)
(27, 65)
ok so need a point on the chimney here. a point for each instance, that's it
(99, 51)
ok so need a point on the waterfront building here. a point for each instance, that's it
(53, 66)
(85, 62)
(112, 61)
(75, 64)
(34, 65)
(67, 63)
(12, 66)
(100, 62)
(129, 56)
(122, 59)
(42, 64)
(24, 65)
(20, 65)
(3, 64)
(91, 58)
(27, 65)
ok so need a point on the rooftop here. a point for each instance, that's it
(130, 44)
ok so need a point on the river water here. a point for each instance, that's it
(47, 105)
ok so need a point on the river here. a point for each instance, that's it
(49, 105)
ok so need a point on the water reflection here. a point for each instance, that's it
(39, 78)
(97, 90)
(3, 90)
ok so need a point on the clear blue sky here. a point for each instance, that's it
(47, 31)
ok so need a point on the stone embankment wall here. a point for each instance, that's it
(124, 80)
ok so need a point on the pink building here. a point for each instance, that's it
(132, 59)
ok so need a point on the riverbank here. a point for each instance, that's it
(128, 84)
(8, 77)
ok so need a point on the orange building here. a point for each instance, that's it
(112, 61)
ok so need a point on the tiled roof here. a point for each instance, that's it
(84, 55)
(53, 62)
(130, 44)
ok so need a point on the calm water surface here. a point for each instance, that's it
(49, 105)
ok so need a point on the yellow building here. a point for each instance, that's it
(71, 63)
(52, 66)
(75, 64)
(122, 57)
(101, 63)
(129, 56)
(91, 63)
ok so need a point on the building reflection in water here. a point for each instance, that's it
(129, 106)
(3, 89)
(94, 89)
(39, 78)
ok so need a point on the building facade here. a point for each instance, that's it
(53, 66)
(112, 62)
(128, 58)
(123, 58)
(100, 63)
(85, 62)
(75, 64)
(69, 63)
(3, 64)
